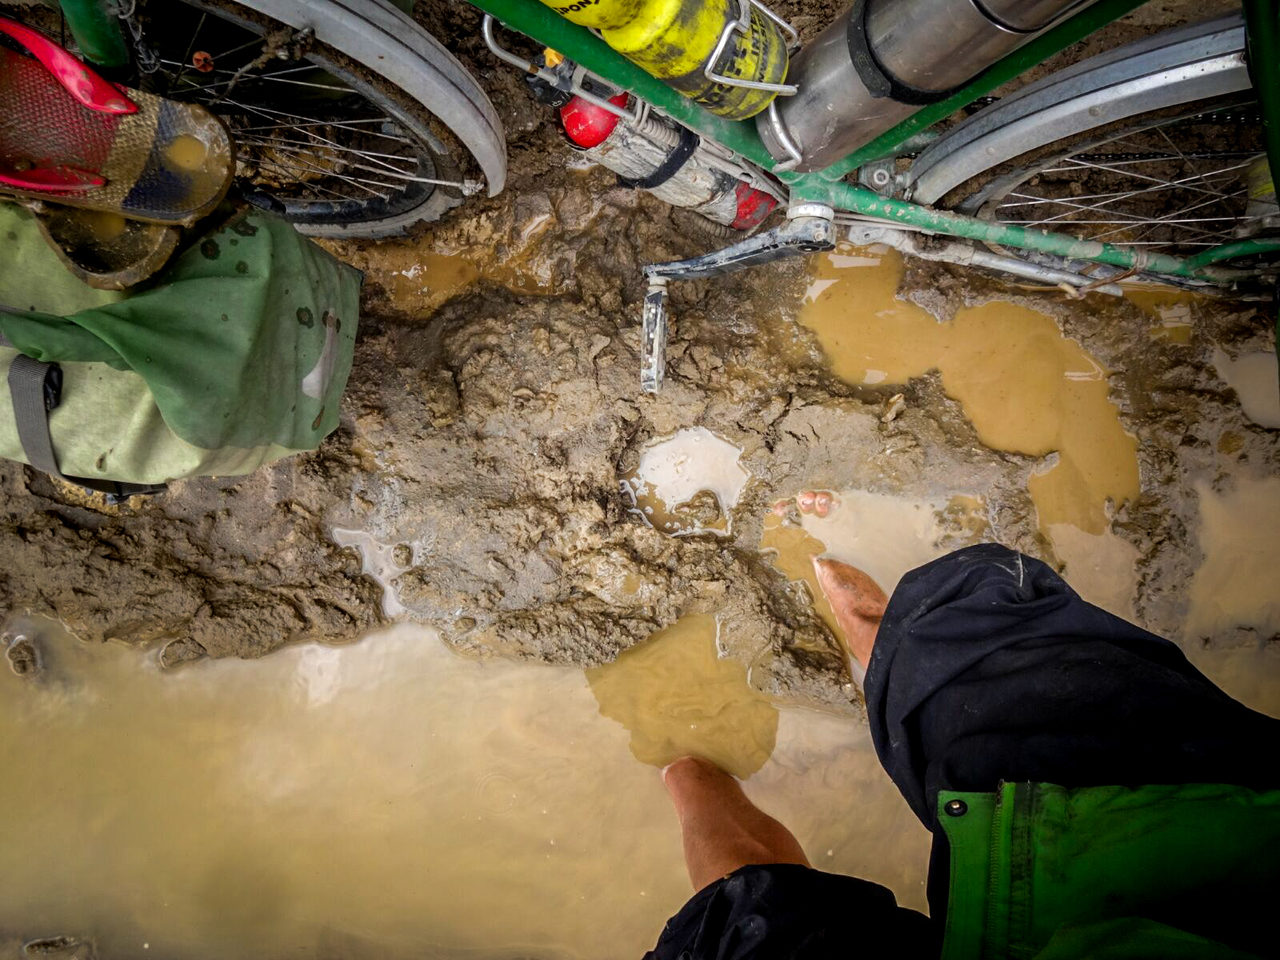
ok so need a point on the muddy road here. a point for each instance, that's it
(495, 406)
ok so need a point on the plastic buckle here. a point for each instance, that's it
(52, 387)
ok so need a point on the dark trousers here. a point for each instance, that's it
(989, 667)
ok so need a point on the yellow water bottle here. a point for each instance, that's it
(674, 40)
(597, 13)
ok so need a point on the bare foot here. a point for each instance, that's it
(722, 829)
(857, 602)
(817, 502)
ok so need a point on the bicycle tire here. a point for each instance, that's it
(439, 153)
(1173, 77)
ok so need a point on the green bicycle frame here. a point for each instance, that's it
(542, 24)
(96, 29)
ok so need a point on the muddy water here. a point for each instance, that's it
(1024, 386)
(676, 696)
(391, 799)
(1171, 311)
(1254, 378)
(382, 562)
(687, 483)
(1239, 537)
(421, 280)
(883, 535)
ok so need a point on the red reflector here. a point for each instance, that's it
(753, 206)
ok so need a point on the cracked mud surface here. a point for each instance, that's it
(495, 403)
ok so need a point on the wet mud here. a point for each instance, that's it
(495, 408)
(478, 482)
(499, 479)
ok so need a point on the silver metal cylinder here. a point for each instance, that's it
(933, 46)
(1030, 16)
(919, 49)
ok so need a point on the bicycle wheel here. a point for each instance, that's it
(1148, 146)
(334, 147)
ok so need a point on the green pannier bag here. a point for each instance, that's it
(234, 355)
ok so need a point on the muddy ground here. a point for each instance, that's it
(486, 434)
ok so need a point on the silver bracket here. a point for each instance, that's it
(743, 25)
(575, 84)
(879, 176)
(799, 236)
(783, 136)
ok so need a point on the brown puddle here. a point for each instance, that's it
(1239, 537)
(677, 696)
(1024, 386)
(881, 534)
(390, 799)
(1172, 311)
(420, 280)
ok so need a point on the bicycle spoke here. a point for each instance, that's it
(1123, 194)
(336, 124)
(186, 57)
(305, 146)
(399, 175)
(342, 158)
(327, 143)
(354, 181)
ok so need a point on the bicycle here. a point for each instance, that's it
(1150, 162)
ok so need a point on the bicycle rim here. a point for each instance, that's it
(318, 140)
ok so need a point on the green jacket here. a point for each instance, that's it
(1045, 872)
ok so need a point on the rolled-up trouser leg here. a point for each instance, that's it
(989, 667)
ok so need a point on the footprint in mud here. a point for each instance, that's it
(22, 655)
(60, 948)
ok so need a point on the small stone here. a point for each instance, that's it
(182, 651)
(24, 659)
(892, 407)
(60, 948)
(699, 511)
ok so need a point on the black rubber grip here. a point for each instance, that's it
(879, 81)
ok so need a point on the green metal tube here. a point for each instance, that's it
(1015, 64)
(843, 196)
(1262, 30)
(1229, 251)
(96, 29)
(552, 30)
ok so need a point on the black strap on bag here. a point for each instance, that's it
(35, 389)
(670, 166)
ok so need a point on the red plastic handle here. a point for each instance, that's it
(52, 179)
(76, 78)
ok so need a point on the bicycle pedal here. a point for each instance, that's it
(810, 229)
(653, 336)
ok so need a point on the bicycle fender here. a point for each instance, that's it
(390, 43)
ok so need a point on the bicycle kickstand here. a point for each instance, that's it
(810, 228)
